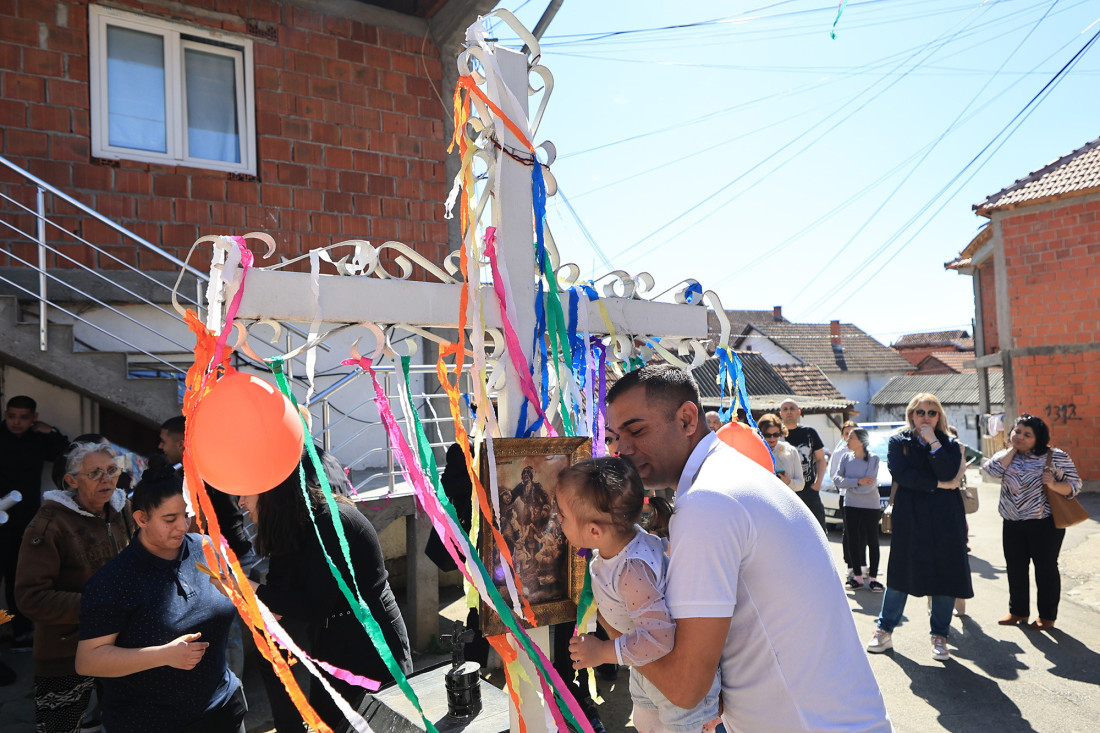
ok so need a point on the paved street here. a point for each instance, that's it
(1003, 679)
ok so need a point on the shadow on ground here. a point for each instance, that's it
(965, 701)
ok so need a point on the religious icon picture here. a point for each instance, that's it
(550, 575)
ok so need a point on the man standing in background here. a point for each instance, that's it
(812, 451)
(25, 445)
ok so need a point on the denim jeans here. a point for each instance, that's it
(893, 606)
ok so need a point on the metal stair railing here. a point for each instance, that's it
(434, 416)
(49, 236)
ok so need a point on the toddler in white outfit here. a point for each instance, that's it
(599, 504)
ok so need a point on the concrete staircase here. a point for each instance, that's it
(100, 375)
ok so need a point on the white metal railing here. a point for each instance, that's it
(29, 215)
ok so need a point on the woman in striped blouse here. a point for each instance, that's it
(1029, 535)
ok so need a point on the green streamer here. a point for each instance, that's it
(358, 605)
(431, 469)
(558, 335)
(839, 12)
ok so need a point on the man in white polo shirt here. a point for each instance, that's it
(751, 583)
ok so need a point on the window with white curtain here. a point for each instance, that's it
(170, 93)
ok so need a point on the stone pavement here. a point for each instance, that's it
(1003, 679)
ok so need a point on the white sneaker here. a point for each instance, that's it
(939, 649)
(880, 642)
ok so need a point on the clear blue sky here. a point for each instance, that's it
(779, 166)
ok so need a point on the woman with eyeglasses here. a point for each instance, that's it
(928, 548)
(788, 464)
(1029, 535)
(77, 531)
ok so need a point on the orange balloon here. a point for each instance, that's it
(747, 442)
(245, 436)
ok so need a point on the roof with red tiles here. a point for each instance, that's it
(952, 360)
(1074, 174)
(811, 343)
(933, 338)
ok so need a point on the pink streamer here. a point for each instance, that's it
(527, 385)
(413, 474)
(431, 505)
(342, 674)
(350, 677)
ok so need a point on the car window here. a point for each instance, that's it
(880, 442)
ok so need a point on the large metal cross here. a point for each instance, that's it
(289, 296)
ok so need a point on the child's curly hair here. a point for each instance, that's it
(609, 486)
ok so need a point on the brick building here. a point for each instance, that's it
(142, 125)
(311, 120)
(1036, 270)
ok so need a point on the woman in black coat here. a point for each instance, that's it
(300, 586)
(928, 548)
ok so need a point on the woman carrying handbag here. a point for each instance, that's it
(1029, 469)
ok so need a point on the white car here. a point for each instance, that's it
(880, 434)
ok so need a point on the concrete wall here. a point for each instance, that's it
(861, 387)
(989, 307)
(766, 348)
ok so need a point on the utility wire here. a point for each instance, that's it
(1019, 118)
(943, 135)
(942, 40)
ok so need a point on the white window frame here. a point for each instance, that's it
(100, 18)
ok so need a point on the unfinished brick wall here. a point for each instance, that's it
(349, 134)
(1052, 255)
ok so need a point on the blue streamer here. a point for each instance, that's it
(538, 339)
(725, 368)
(742, 392)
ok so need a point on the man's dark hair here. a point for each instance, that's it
(662, 382)
(23, 402)
(174, 425)
(159, 482)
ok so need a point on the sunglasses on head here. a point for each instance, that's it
(922, 413)
(773, 435)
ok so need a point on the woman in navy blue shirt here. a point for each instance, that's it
(155, 630)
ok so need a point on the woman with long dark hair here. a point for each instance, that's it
(300, 586)
(857, 474)
(1028, 535)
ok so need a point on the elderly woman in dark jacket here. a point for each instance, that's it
(928, 549)
(78, 530)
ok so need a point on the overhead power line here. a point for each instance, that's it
(1017, 120)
